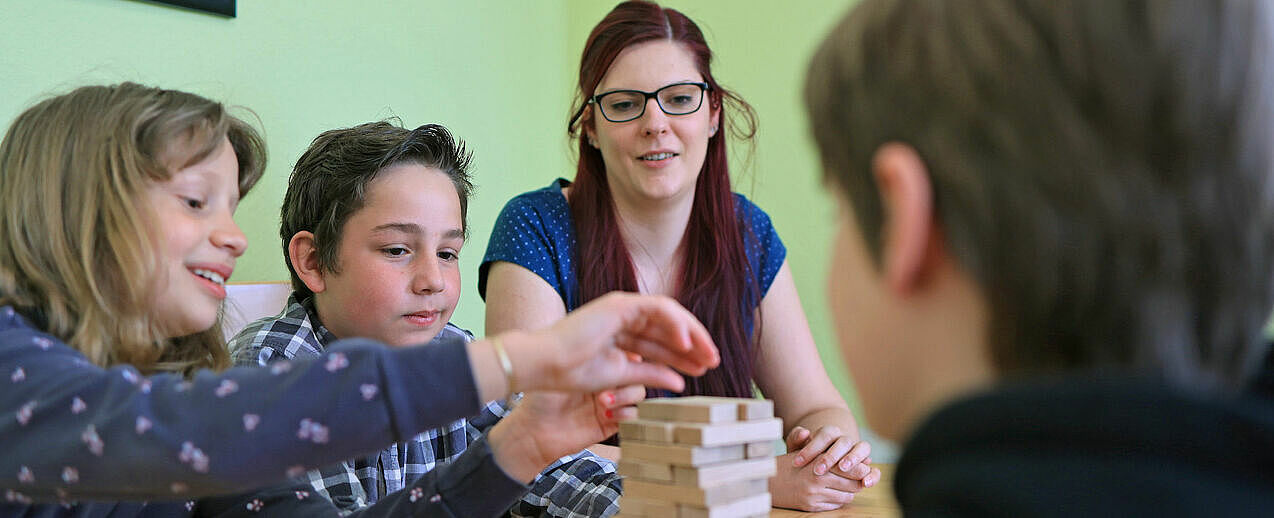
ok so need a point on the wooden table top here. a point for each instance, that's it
(877, 502)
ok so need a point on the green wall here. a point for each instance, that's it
(498, 73)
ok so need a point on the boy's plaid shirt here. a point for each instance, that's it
(578, 485)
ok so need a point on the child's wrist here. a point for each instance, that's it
(530, 367)
(505, 363)
(516, 448)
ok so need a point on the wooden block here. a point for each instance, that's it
(697, 409)
(680, 455)
(753, 409)
(631, 430)
(759, 449)
(755, 505)
(645, 430)
(706, 497)
(719, 474)
(729, 433)
(644, 507)
(654, 471)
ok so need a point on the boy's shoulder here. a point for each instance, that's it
(287, 335)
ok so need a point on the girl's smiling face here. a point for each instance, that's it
(199, 241)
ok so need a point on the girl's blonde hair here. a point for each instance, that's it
(80, 243)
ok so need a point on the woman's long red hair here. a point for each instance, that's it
(716, 282)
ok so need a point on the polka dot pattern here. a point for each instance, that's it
(535, 231)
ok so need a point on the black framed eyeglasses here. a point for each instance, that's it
(674, 99)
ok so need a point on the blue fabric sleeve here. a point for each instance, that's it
(765, 251)
(70, 428)
(534, 231)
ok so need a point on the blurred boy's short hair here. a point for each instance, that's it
(1102, 169)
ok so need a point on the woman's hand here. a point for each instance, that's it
(822, 471)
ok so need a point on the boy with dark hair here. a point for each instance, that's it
(372, 224)
(1056, 252)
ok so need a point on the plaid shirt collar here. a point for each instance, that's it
(307, 317)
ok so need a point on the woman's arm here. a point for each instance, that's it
(822, 433)
(517, 298)
(789, 370)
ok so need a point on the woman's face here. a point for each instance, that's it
(655, 157)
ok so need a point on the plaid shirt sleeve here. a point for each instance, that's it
(339, 483)
(575, 486)
(285, 337)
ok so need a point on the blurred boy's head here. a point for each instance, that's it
(1041, 187)
(372, 225)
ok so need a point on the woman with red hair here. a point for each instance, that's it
(651, 211)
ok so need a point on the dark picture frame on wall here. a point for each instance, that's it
(221, 7)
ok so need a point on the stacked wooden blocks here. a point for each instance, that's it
(698, 457)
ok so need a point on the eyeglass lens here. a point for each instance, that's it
(625, 105)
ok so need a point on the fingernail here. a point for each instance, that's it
(844, 465)
(820, 469)
(798, 460)
(609, 398)
(610, 414)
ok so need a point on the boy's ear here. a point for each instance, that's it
(304, 257)
(909, 235)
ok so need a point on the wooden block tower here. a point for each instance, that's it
(698, 457)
